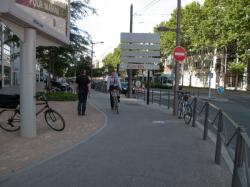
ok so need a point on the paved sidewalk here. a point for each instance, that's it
(140, 147)
(18, 152)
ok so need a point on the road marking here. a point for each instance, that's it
(158, 122)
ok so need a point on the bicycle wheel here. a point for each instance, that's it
(10, 121)
(187, 114)
(116, 105)
(54, 120)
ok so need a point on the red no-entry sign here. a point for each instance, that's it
(179, 53)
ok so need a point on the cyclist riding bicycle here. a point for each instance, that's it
(113, 83)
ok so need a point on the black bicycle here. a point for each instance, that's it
(184, 106)
(115, 95)
(10, 114)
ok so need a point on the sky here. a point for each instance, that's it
(114, 17)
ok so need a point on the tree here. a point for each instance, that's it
(218, 26)
(112, 60)
(237, 69)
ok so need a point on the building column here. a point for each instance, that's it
(2, 61)
(27, 86)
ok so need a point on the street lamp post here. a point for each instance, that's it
(92, 54)
(177, 43)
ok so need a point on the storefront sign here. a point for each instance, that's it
(54, 7)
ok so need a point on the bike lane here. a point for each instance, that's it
(142, 146)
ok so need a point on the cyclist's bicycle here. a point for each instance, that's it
(184, 106)
(115, 94)
(10, 115)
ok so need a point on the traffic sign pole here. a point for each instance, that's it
(179, 54)
(129, 71)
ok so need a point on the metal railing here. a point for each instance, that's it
(229, 135)
(159, 96)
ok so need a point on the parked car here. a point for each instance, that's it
(124, 88)
(60, 86)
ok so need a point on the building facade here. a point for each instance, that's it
(10, 60)
(195, 71)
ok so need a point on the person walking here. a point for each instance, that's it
(83, 90)
(113, 82)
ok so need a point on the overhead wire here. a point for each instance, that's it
(150, 5)
(147, 7)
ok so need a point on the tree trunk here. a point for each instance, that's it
(225, 68)
(190, 80)
(236, 81)
(248, 74)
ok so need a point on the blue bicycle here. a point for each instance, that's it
(184, 106)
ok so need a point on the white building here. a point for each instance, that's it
(10, 60)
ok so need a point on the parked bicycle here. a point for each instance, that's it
(115, 94)
(10, 114)
(184, 106)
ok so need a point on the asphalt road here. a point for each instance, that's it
(235, 104)
(139, 147)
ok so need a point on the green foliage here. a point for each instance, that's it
(112, 60)
(57, 96)
(221, 24)
(237, 68)
(98, 72)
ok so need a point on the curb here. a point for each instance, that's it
(224, 151)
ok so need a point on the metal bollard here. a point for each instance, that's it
(160, 98)
(144, 98)
(168, 99)
(152, 94)
(206, 121)
(219, 139)
(194, 111)
(238, 159)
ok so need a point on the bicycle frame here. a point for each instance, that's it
(17, 110)
(42, 109)
(51, 117)
(115, 93)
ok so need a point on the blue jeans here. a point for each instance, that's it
(82, 96)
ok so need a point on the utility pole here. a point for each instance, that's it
(177, 65)
(92, 56)
(129, 71)
(91, 65)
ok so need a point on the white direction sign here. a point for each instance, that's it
(140, 51)
(140, 60)
(124, 66)
(140, 38)
(152, 47)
